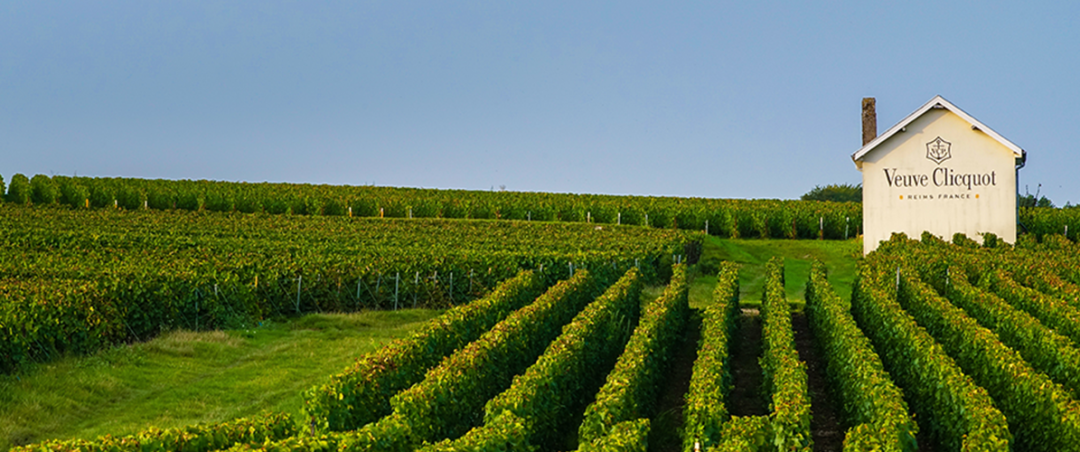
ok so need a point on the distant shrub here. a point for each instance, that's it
(218, 202)
(100, 195)
(276, 205)
(188, 200)
(43, 190)
(73, 193)
(160, 198)
(19, 190)
(129, 197)
(333, 206)
(836, 193)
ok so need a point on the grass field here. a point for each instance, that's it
(185, 378)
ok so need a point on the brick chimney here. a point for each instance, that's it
(869, 120)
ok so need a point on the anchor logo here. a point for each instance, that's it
(938, 150)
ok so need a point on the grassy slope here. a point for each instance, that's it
(839, 257)
(185, 378)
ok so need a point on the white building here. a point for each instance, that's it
(939, 170)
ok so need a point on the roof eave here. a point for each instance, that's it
(936, 101)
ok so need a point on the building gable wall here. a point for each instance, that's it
(971, 188)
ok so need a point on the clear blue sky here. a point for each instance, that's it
(712, 99)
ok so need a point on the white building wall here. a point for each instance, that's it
(905, 191)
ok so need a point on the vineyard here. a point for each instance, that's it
(550, 339)
(719, 217)
(76, 281)
(941, 347)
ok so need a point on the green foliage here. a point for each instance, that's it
(745, 434)
(956, 411)
(125, 276)
(871, 402)
(785, 375)
(189, 200)
(711, 379)
(1042, 414)
(722, 217)
(198, 438)
(101, 195)
(18, 190)
(1045, 416)
(361, 394)
(43, 190)
(248, 202)
(630, 391)
(507, 433)
(1043, 348)
(835, 193)
(334, 207)
(1052, 312)
(626, 436)
(3, 188)
(449, 401)
(219, 202)
(72, 193)
(1044, 221)
(161, 198)
(552, 390)
(129, 197)
(1030, 200)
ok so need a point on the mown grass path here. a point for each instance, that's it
(184, 378)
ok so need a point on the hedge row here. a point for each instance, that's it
(1041, 413)
(197, 438)
(1043, 348)
(958, 413)
(785, 375)
(449, 401)
(711, 379)
(548, 395)
(630, 390)
(361, 394)
(872, 404)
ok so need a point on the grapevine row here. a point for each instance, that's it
(76, 281)
(711, 378)
(546, 396)
(361, 394)
(198, 438)
(630, 390)
(956, 411)
(1042, 414)
(450, 399)
(723, 217)
(872, 403)
(788, 425)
